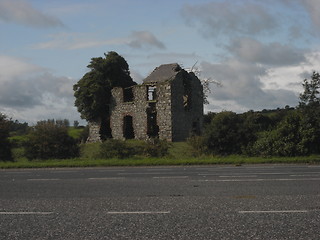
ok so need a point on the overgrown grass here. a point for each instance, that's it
(75, 132)
(179, 154)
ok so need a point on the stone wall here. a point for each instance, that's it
(186, 120)
(164, 111)
(94, 131)
(136, 109)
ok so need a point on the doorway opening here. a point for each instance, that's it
(128, 131)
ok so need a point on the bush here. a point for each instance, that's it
(198, 145)
(223, 136)
(287, 139)
(5, 146)
(155, 148)
(50, 140)
(113, 148)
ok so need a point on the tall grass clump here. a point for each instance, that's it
(113, 148)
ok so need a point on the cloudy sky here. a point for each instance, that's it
(259, 50)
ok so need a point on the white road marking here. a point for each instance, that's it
(25, 213)
(238, 176)
(145, 173)
(211, 174)
(66, 171)
(261, 180)
(43, 179)
(264, 167)
(107, 178)
(18, 172)
(141, 212)
(305, 175)
(277, 211)
(111, 170)
(160, 169)
(172, 177)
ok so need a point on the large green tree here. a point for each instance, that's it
(93, 90)
(310, 96)
(310, 107)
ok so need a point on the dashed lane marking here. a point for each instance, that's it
(107, 178)
(276, 211)
(171, 177)
(260, 180)
(25, 213)
(141, 212)
(43, 179)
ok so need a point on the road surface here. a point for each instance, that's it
(198, 202)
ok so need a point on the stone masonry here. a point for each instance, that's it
(167, 105)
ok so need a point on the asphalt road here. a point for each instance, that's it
(199, 202)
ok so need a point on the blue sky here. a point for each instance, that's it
(260, 51)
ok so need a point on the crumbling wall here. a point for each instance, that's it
(187, 106)
(94, 131)
(164, 110)
(136, 109)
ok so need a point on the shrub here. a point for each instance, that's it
(5, 146)
(49, 140)
(223, 135)
(156, 148)
(198, 145)
(113, 148)
(287, 139)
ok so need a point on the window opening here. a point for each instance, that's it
(128, 94)
(152, 93)
(128, 131)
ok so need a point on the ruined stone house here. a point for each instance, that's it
(168, 105)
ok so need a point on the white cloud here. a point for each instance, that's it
(253, 86)
(291, 77)
(265, 60)
(22, 12)
(72, 41)
(229, 18)
(312, 7)
(140, 38)
(274, 54)
(249, 86)
(29, 92)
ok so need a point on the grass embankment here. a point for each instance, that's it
(179, 154)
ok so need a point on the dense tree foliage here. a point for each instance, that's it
(310, 107)
(5, 146)
(93, 90)
(50, 140)
(223, 134)
(280, 132)
(310, 97)
(18, 128)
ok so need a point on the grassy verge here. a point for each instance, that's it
(179, 154)
(235, 160)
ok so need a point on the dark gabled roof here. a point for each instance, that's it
(163, 73)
